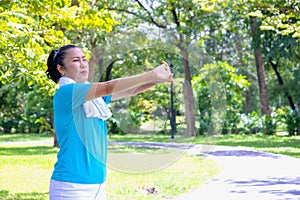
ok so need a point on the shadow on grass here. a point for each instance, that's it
(35, 150)
(5, 195)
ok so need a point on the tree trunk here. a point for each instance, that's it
(92, 66)
(108, 70)
(189, 100)
(94, 61)
(248, 100)
(298, 130)
(263, 90)
(55, 142)
(280, 82)
(260, 69)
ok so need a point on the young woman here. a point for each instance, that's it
(80, 113)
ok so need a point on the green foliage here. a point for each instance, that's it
(281, 120)
(255, 123)
(29, 30)
(279, 26)
(282, 18)
(291, 119)
(279, 16)
(234, 86)
(250, 123)
(269, 124)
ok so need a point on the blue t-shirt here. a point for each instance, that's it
(82, 141)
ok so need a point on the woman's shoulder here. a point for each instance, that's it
(63, 90)
(72, 90)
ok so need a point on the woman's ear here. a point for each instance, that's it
(61, 69)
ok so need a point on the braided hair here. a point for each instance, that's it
(55, 58)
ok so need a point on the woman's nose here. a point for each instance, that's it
(83, 64)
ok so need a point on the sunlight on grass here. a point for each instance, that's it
(12, 137)
(184, 175)
(25, 171)
(287, 145)
(25, 168)
(152, 138)
(142, 162)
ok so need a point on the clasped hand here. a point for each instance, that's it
(163, 73)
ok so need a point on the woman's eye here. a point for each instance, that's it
(75, 60)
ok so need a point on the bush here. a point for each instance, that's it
(291, 119)
(250, 123)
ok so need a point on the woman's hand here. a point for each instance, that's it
(163, 73)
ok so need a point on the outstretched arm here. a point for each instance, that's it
(128, 86)
(133, 91)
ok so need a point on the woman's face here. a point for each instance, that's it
(75, 65)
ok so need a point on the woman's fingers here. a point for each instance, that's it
(163, 73)
(167, 67)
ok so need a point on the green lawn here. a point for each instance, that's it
(280, 144)
(26, 167)
(286, 145)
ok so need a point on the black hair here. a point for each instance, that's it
(56, 57)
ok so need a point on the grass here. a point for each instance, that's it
(286, 145)
(26, 167)
(184, 175)
(25, 171)
(24, 137)
(279, 144)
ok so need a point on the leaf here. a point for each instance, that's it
(268, 28)
(257, 14)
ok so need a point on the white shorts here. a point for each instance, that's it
(67, 191)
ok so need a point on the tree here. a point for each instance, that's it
(181, 22)
(231, 42)
(29, 30)
(260, 69)
(281, 17)
(235, 85)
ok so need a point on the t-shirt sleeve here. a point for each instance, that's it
(74, 95)
(79, 94)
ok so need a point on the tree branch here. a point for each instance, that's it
(297, 56)
(175, 17)
(123, 10)
(150, 16)
(176, 21)
(281, 9)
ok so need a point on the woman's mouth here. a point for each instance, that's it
(84, 72)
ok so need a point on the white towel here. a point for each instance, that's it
(93, 108)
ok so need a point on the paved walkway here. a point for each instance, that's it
(249, 175)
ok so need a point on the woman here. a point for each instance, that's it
(80, 112)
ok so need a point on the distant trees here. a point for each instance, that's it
(258, 41)
(29, 31)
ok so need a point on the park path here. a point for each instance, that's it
(247, 174)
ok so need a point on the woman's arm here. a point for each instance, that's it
(127, 85)
(132, 91)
